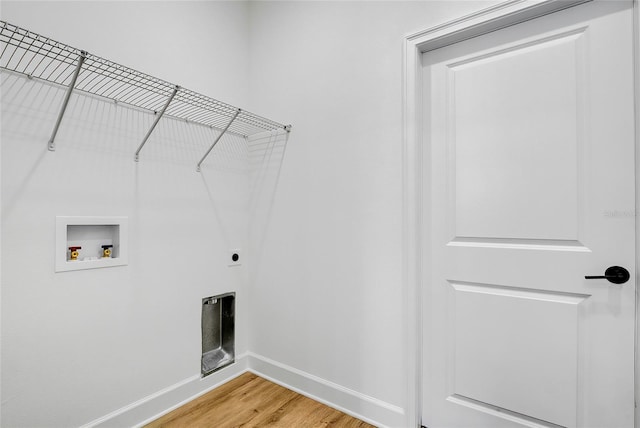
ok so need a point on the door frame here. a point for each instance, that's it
(415, 231)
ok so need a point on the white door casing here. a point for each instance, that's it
(519, 205)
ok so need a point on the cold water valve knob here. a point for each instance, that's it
(74, 253)
(106, 251)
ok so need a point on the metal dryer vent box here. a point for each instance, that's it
(218, 332)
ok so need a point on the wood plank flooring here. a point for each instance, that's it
(251, 401)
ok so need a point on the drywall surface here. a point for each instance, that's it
(327, 291)
(79, 345)
(201, 45)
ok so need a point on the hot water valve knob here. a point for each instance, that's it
(74, 253)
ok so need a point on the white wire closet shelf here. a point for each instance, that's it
(37, 56)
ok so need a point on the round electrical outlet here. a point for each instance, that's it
(233, 257)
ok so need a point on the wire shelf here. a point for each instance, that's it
(40, 57)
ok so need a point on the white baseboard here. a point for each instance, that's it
(356, 404)
(162, 402)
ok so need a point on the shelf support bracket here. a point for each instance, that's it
(218, 139)
(155, 122)
(72, 84)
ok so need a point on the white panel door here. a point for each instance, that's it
(529, 186)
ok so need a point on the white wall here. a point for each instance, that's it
(200, 45)
(326, 292)
(79, 345)
(328, 297)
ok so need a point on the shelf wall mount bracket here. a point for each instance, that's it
(155, 122)
(238, 111)
(52, 145)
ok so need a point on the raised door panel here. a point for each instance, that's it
(515, 133)
(506, 356)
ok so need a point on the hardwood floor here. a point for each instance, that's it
(251, 401)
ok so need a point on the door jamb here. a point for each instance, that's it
(499, 16)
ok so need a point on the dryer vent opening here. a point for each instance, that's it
(218, 325)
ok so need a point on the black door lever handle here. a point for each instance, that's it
(613, 274)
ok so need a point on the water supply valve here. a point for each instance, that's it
(74, 253)
(106, 251)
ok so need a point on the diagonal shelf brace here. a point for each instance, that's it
(72, 84)
(218, 139)
(155, 122)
